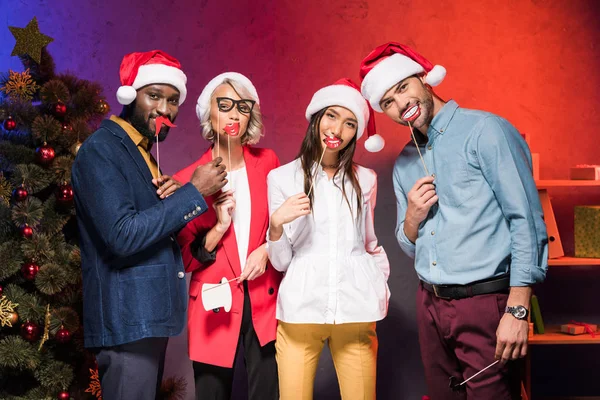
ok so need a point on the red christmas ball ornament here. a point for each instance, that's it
(1, 290)
(103, 107)
(63, 396)
(10, 123)
(63, 335)
(30, 331)
(26, 231)
(20, 193)
(45, 154)
(64, 195)
(29, 270)
(60, 109)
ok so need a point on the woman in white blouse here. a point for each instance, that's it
(321, 235)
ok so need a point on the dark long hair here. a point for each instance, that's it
(310, 153)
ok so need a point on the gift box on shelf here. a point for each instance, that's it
(587, 231)
(579, 328)
(586, 172)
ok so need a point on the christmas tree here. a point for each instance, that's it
(45, 116)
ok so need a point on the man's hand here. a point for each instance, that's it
(210, 177)
(421, 198)
(511, 337)
(256, 264)
(166, 185)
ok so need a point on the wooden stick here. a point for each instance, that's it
(489, 366)
(157, 157)
(412, 133)
(220, 284)
(316, 173)
(229, 160)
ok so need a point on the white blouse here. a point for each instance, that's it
(335, 272)
(238, 180)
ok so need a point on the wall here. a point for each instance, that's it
(534, 62)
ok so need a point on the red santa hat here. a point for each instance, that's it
(346, 93)
(390, 63)
(147, 68)
(203, 103)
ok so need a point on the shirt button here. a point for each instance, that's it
(434, 263)
(433, 175)
(180, 274)
(432, 233)
(271, 291)
(172, 240)
(429, 147)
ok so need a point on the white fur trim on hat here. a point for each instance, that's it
(386, 74)
(203, 103)
(150, 74)
(344, 96)
(375, 143)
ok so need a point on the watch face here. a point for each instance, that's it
(520, 312)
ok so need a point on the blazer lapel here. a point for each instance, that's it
(258, 196)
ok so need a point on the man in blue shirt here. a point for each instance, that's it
(470, 216)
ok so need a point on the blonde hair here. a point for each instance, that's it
(255, 128)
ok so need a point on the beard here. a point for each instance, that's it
(145, 126)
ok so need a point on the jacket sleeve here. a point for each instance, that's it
(192, 239)
(103, 196)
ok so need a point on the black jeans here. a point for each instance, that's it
(216, 383)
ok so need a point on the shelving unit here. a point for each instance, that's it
(557, 258)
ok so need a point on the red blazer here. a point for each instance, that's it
(213, 336)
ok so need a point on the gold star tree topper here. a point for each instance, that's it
(29, 40)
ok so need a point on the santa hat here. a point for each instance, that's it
(147, 68)
(390, 63)
(346, 93)
(203, 104)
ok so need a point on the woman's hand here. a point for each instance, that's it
(224, 207)
(256, 264)
(291, 209)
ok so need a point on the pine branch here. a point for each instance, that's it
(54, 375)
(54, 91)
(42, 72)
(64, 316)
(29, 211)
(62, 168)
(172, 388)
(7, 227)
(52, 222)
(12, 154)
(11, 259)
(18, 354)
(39, 248)
(29, 308)
(45, 128)
(24, 113)
(51, 279)
(34, 177)
(5, 191)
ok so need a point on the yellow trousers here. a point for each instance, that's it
(353, 350)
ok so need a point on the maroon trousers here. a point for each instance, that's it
(458, 338)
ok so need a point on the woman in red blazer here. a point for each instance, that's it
(229, 241)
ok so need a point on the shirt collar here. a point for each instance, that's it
(133, 133)
(441, 121)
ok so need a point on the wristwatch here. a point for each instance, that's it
(519, 312)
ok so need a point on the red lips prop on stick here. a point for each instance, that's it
(410, 115)
(160, 121)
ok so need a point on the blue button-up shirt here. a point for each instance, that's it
(488, 219)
